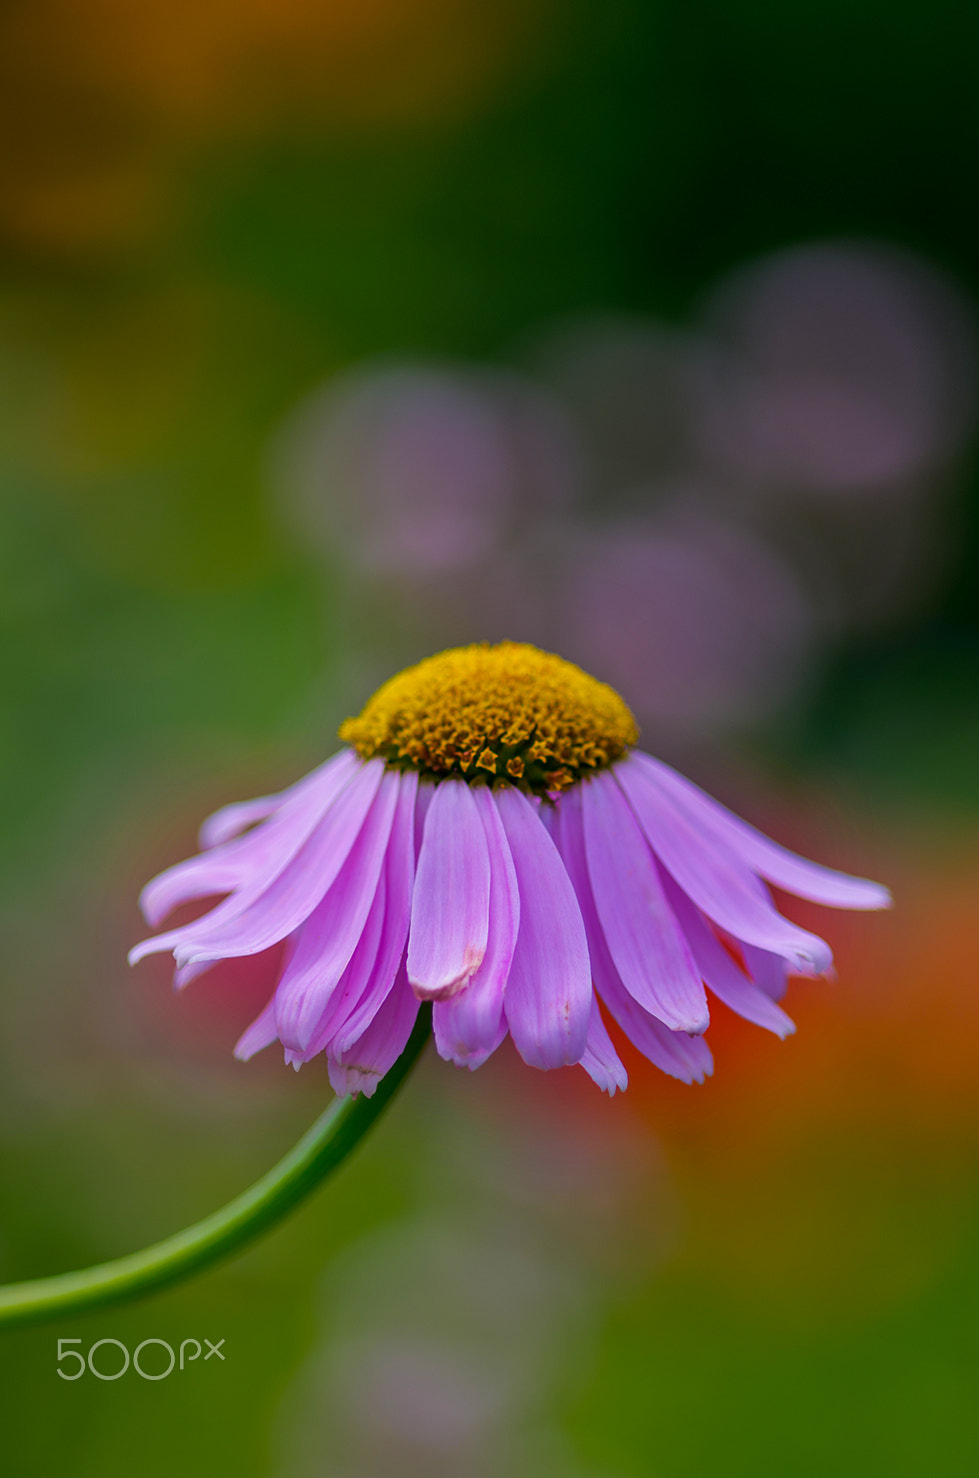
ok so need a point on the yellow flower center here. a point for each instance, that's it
(506, 712)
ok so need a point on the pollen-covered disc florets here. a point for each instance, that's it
(508, 712)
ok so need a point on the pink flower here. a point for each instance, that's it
(492, 842)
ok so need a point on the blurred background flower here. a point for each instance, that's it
(332, 335)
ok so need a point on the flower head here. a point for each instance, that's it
(491, 841)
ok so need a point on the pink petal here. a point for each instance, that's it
(650, 953)
(186, 973)
(450, 903)
(251, 862)
(346, 1020)
(549, 818)
(209, 876)
(328, 938)
(600, 1060)
(768, 971)
(360, 1069)
(470, 1026)
(774, 863)
(676, 1053)
(714, 878)
(231, 930)
(730, 984)
(231, 820)
(426, 791)
(350, 987)
(548, 994)
(261, 1033)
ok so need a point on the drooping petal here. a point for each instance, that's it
(364, 1064)
(360, 995)
(328, 938)
(774, 863)
(249, 863)
(548, 816)
(471, 1025)
(769, 972)
(714, 878)
(347, 991)
(232, 820)
(600, 1060)
(262, 1033)
(548, 994)
(209, 876)
(675, 1053)
(646, 943)
(426, 791)
(450, 902)
(681, 1056)
(721, 975)
(231, 929)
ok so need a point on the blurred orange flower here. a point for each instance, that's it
(101, 100)
(833, 1170)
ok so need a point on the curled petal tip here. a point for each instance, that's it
(141, 950)
(444, 990)
(690, 1026)
(185, 958)
(348, 1081)
(184, 974)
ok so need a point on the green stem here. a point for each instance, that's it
(320, 1151)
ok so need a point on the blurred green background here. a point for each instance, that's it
(333, 333)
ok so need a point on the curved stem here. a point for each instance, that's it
(321, 1150)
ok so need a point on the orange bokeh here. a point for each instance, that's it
(827, 1176)
(102, 101)
(893, 1040)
